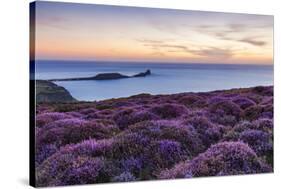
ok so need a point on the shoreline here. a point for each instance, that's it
(71, 99)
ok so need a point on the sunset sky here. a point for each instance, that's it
(68, 31)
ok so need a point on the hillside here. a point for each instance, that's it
(47, 91)
(146, 137)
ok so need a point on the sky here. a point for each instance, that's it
(69, 31)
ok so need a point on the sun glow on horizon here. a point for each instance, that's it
(98, 32)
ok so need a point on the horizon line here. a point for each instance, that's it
(154, 62)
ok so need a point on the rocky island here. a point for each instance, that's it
(106, 76)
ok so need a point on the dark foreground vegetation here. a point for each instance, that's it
(147, 137)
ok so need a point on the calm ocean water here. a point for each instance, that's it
(165, 79)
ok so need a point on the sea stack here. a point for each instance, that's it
(143, 74)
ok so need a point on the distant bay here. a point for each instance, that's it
(166, 78)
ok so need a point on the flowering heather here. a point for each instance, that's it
(130, 116)
(42, 109)
(264, 125)
(180, 170)
(61, 132)
(75, 114)
(123, 118)
(253, 112)
(164, 153)
(192, 101)
(227, 158)
(132, 164)
(146, 137)
(243, 102)
(45, 118)
(168, 111)
(88, 111)
(259, 141)
(207, 131)
(267, 101)
(89, 147)
(226, 108)
(174, 130)
(103, 114)
(44, 152)
(67, 169)
(216, 99)
(128, 144)
(124, 177)
(86, 172)
(76, 133)
(63, 123)
(143, 115)
(243, 125)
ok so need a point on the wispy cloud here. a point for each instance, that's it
(253, 41)
(227, 32)
(237, 27)
(214, 52)
(174, 47)
(149, 41)
(55, 22)
(161, 47)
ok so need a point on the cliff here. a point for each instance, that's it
(47, 91)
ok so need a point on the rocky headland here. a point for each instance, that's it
(47, 91)
(105, 76)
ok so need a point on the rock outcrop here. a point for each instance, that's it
(143, 74)
(105, 76)
(47, 91)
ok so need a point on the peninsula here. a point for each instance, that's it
(106, 76)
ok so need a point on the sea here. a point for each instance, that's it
(165, 78)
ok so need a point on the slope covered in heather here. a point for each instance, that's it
(147, 137)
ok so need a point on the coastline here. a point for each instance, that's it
(63, 95)
(84, 84)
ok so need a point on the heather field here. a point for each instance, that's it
(149, 137)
